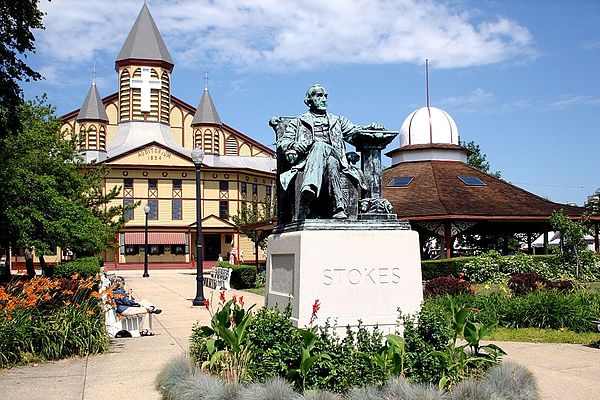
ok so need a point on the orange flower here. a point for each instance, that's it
(75, 276)
(46, 297)
(95, 294)
(91, 312)
(9, 317)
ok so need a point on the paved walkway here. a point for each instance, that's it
(128, 370)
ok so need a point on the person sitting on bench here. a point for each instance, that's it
(127, 305)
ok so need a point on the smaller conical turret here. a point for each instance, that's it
(91, 123)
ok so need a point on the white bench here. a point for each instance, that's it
(115, 325)
(219, 278)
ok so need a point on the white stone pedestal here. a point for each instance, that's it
(357, 270)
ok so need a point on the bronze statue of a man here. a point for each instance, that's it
(314, 143)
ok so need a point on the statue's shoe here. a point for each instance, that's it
(308, 193)
(340, 215)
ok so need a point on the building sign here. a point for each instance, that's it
(154, 153)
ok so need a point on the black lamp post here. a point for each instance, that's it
(146, 211)
(197, 157)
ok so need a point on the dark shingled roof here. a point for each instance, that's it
(437, 193)
(206, 113)
(144, 41)
(92, 108)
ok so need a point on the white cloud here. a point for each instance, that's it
(574, 101)
(286, 34)
(475, 98)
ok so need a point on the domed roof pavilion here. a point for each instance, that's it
(431, 185)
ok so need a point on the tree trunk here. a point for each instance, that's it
(43, 266)
(29, 264)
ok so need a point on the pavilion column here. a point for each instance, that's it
(545, 242)
(448, 239)
(529, 243)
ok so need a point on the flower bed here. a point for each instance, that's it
(50, 319)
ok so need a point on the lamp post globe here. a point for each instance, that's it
(197, 157)
(146, 211)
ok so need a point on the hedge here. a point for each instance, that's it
(84, 267)
(243, 276)
(432, 269)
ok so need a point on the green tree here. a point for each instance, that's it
(572, 237)
(250, 216)
(478, 159)
(49, 197)
(18, 18)
(593, 203)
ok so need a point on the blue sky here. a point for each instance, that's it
(519, 77)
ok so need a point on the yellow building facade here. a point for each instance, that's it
(145, 135)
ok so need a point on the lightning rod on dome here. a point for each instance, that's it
(427, 80)
(205, 80)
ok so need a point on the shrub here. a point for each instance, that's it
(84, 267)
(561, 286)
(540, 309)
(275, 342)
(446, 285)
(524, 283)
(432, 269)
(485, 268)
(243, 276)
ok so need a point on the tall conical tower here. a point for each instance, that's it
(144, 66)
(207, 126)
(91, 126)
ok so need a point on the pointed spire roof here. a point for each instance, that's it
(144, 41)
(206, 113)
(92, 108)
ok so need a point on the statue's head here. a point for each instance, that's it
(316, 98)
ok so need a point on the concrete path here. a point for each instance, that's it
(128, 370)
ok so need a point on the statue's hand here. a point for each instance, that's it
(301, 148)
(291, 156)
(375, 126)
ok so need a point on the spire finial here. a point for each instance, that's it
(94, 73)
(427, 80)
(205, 80)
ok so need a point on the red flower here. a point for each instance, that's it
(206, 303)
(222, 296)
(242, 301)
(234, 299)
(316, 307)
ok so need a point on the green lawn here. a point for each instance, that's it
(259, 291)
(538, 335)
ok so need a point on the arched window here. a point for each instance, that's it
(82, 137)
(208, 148)
(136, 97)
(164, 98)
(124, 96)
(197, 138)
(216, 143)
(231, 147)
(102, 138)
(92, 137)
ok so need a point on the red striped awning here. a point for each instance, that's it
(155, 238)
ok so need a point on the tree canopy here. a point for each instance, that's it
(49, 197)
(18, 19)
(478, 159)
